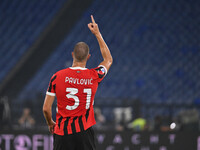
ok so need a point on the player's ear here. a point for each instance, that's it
(88, 57)
(72, 54)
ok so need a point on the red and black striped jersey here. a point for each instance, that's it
(75, 89)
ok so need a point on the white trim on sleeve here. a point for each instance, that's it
(51, 94)
(104, 68)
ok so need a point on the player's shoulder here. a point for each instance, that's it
(58, 73)
(101, 71)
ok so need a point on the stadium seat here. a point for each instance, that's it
(20, 28)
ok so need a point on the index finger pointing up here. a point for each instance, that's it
(93, 21)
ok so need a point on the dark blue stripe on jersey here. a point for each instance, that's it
(101, 75)
(59, 121)
(81, 123)
(87, 114)
(65, 125)
(54, 87)
(50, 85)
(73, 125)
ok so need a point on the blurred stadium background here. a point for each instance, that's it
(155, 75)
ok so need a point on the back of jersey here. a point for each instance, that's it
(75, 89)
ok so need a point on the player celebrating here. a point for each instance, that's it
(75, 88)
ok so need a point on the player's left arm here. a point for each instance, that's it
(48, 113)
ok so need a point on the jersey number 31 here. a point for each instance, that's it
(72, 94)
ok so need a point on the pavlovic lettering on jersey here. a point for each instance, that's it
(75, 88)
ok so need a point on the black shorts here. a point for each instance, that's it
(79, 141)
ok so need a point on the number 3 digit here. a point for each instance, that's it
(71, 94)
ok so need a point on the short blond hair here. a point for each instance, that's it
(81, 51)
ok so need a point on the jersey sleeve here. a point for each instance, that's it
(52, 86)
(101, 71)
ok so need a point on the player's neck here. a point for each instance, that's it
(79, 64)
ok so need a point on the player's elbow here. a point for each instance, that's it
(45, 109)
(110, 61)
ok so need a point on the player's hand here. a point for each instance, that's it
(93, 27)
(51, 127)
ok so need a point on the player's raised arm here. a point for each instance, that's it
(107, 58)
